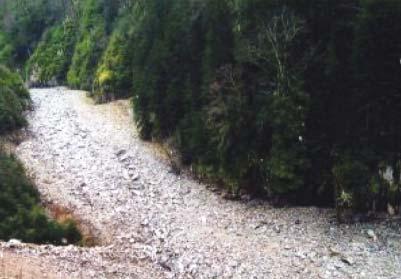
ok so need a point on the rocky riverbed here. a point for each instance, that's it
(151, 223)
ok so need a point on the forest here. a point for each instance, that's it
(295, 101)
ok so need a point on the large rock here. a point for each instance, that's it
(14, 243)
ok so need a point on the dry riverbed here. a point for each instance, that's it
(151, 223)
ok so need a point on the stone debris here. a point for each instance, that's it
(154, 224)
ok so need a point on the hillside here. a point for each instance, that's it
(288, 100)
(288, 111)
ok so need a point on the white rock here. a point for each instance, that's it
(14, 243)
(126, 175)
(371, 234)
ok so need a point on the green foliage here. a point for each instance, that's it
(20, 214)
(285, 100)
(22, 26)
(210, 116)
(372, 125)
(351, 180)
(6, 49)
(14, 99)
(52, 57)
(114, 72)
(90, 44)
(250, 91)
(94, 26)
(160, 72)
(376, 56)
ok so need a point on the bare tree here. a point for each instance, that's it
(274, 43)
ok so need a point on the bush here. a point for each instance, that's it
(114, 73)
(22, 26)
(52, 57)
(21, 217)
(91, 42)
(14, 99)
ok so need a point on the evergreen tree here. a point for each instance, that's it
(91, 42)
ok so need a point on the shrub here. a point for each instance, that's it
(114, 73)
(91, 42)
(14, 99)
(52, 57)
(21, 217)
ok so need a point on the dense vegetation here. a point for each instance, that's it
(293, 100)
(14, 99)
(55, 52)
